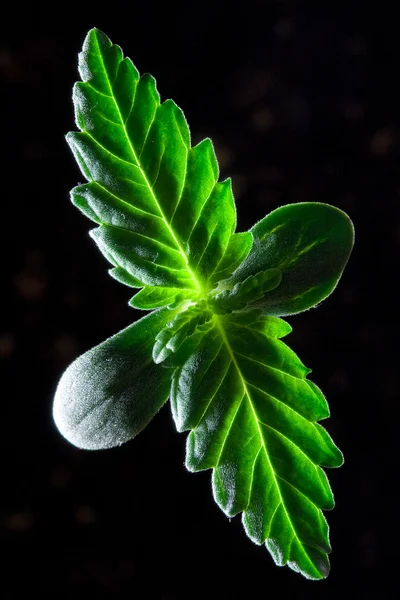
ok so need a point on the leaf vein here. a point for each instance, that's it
(297, 490)
(128, 204)
(119, 158)
(159, 168)
(214, 394)
(191, 274)
(269, 366)
(277, 399)
(208, 243)
(147, 133)
(274, 474)
(289, 440)
(96, 89)
(107, 120)
(272, 518)
(189, 236)
(230, 427)
(136, 233)
(253, 466)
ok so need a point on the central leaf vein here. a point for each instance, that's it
(257, 422)
(197, 284)
(129, 206)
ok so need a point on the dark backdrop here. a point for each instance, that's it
(302, 103)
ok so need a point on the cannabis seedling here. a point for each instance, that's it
(212, 339)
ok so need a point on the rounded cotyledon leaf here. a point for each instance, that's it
(310, 244)
(111, 392)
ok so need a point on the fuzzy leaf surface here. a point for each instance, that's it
(310, 244)
(196, 319)
(253, 416)
(154, 297)
(163, 217)
(110, 393)
(246, 292)
(167, 226)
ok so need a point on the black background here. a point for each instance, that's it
(302, 103)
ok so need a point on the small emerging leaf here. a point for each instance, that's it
(250, 290)
(195, 319)
(155, 297)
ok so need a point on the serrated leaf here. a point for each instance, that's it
(238, 248)
(167, 226)
(155, 297)
(252, 412)
(119, 274)
(194, 320)
(310, 243)
(164, 219)
(110, 393)
(248, 291)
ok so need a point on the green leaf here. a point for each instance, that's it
(310, 243)
(167, 226)
(155, 297)
(110, 393)
(252, 412)
(238, 248)
(164, 219)
(251, 289)
(195, 319)
(119, 274)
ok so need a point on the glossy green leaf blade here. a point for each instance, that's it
(165, 220)
(245, 396)
(310, 243)
(110, 393)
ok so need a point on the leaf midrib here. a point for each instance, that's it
(247, 393)
(196, 282)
